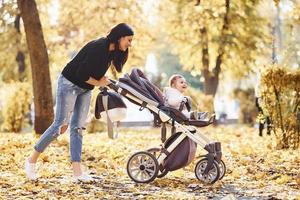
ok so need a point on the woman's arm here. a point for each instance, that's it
(101, 82)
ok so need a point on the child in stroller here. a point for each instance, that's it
(174, 97)
(179, 149)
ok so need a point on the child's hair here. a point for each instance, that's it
(173, 78)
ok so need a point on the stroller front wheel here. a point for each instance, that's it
(142, 167)
(156, 152)
(212, 175)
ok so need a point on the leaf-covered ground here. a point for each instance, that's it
(255, 169)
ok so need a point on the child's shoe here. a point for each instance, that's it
(202, 115)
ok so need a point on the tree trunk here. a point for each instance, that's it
(43, 103)
(211, 78)
(20, 57)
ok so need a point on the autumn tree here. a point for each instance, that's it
(290, 38)
(281, 101)
(12, 45)
(43, 104)
(215, 36)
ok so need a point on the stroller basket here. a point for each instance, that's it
(182, 155)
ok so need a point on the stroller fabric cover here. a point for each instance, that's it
(182, 155)
(114, 108)
(137, 84)
(111, 108)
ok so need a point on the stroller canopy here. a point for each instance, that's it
(137, 84)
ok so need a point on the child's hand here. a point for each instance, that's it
(185, 99)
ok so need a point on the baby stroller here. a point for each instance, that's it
(180, 148)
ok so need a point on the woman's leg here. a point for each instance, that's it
(78, 121)
(35, 154)
(65, 101)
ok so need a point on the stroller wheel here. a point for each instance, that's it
(162, 171)
(154, 151)
(142, 167)
(222, 167)
(212, 175)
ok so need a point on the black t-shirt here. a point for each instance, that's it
(92, 60)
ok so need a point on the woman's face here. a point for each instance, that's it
(125, 42)
(180, 84)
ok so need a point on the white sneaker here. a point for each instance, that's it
(83, 178)
(30, 170)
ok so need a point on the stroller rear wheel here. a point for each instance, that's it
(222, 167)
(142, 167)
(212, 175)
(162, 171)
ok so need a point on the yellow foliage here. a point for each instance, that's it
(280, 92)
(260, 176)
(298, 180)
(200, 101)
(16, 105)
(236, 173)
(246, 29)
(259, 173)
(283, 179)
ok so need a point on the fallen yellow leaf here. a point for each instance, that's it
(298, 179)
(283, 179)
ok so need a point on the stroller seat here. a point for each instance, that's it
(181, 118)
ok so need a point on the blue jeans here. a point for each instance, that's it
(72, 102)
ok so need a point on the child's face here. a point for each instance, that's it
(180, 84)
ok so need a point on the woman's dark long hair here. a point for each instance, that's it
(119, 57)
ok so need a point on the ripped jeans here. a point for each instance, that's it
(72, 102)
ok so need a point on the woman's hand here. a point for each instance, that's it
(100, 83)
(104, 81)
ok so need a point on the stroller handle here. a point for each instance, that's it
(113, 85)
(112, 81)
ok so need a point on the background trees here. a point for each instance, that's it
(223, 35)
(208, 42)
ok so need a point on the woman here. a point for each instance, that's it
(85, 71)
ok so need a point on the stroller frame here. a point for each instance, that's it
(209, 169)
